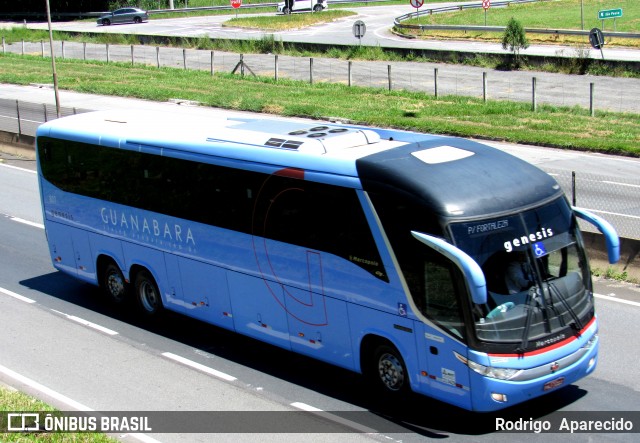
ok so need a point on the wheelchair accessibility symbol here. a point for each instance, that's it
(539, 250)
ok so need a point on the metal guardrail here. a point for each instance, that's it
(398, 22)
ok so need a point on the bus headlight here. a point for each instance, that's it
(488, 371)
(591, 342)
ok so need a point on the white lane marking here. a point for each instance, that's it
(43, 389)
(619, 300)
(614, 213)
(62, 398)
(335, 418)
(18, 168)
(620, 184)
(87, 323)
(199, 367)
(16, 296)
(26, 222)
(305, 407)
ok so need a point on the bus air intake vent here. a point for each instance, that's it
(281, 143)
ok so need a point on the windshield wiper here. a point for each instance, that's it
(577, 324)
(531, 295)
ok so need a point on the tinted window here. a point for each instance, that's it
(314, 215)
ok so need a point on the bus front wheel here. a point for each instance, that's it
(147, 294)
(389, 369)
(113, 284)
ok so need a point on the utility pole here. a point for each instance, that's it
(53, 62)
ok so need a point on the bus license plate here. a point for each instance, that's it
(553, 384)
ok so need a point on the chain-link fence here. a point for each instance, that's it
(615, 200)
(594, 93)
(23, 118)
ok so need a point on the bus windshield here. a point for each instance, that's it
(537, 276)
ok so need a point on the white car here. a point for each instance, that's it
(289, 6)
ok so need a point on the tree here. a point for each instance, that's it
(514, 38)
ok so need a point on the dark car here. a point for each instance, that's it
(124, 15)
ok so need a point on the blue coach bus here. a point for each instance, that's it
(384, 252)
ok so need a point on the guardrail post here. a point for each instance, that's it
(184, 58)
(63, 54)
(4, 45)
(573, 187)
(212, 70)
(533, 94)
(349, 66)
(84, 51)
(42, 47)
(592, 110)
(389, 76)
(311, 70)
(158, 57)
(276, 68)
(107, 48)
(435, 81)
(132, 59)
(44, 108)
(18, 115)
(484, 87)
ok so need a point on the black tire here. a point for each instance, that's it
(286, 11)
(137, 20)
(113, 284)
(317, 8)
(106, 22)
(389, 370)
(147, 294)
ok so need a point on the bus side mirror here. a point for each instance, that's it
(470, 268)
(610, 235)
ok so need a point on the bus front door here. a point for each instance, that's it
(445, 378)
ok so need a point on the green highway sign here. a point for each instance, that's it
(609, 13)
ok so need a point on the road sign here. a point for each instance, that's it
(596, 38)
(609, 13)
(416, 3)
(236, 3)
(359, 28)
(486, 4)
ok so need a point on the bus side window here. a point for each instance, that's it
(433, 289)
(318, 216)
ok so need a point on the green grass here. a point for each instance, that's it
(553, 14)
(13, 401)
(287, 22)
(561, 127)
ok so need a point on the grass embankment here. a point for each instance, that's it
(13, 401)
(553, 14)
(469, 117)
(287, 22)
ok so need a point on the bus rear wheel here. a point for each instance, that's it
(147, 294)
(389, 369)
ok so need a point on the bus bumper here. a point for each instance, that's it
(489, 394)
